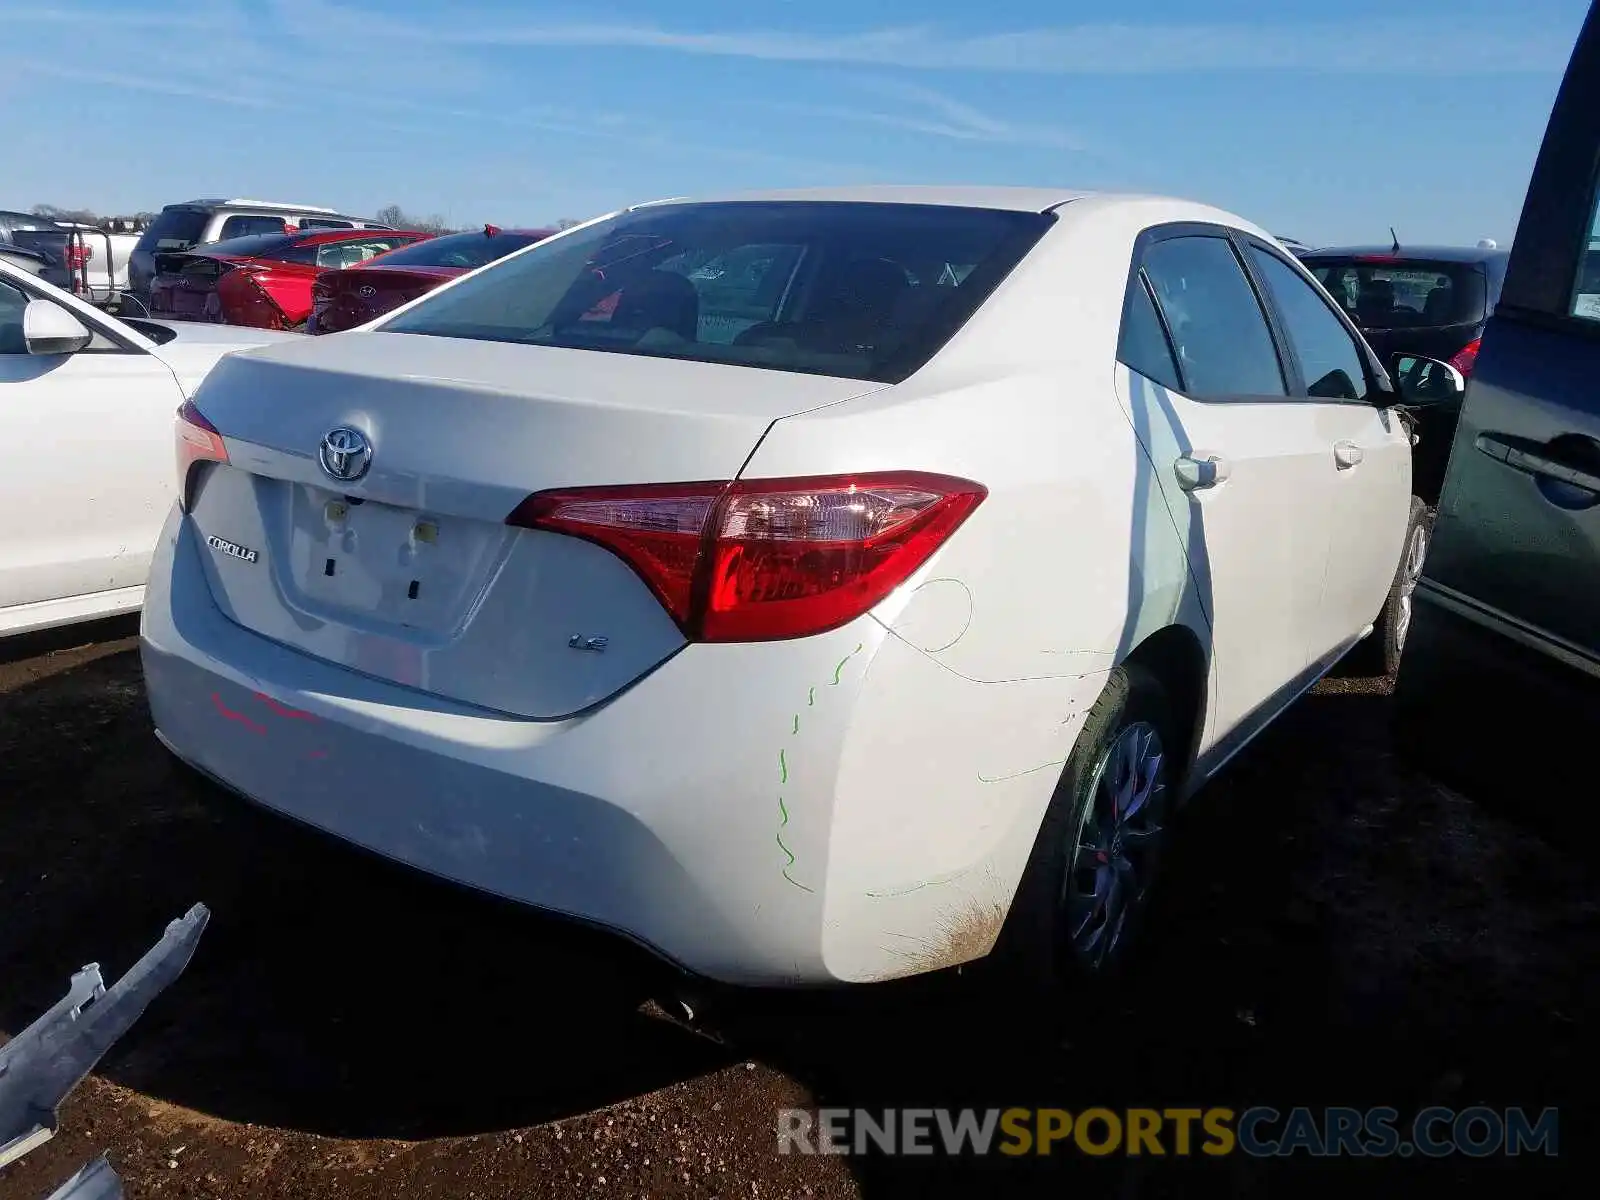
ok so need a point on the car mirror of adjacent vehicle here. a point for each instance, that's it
(50, 329)
(1425, 381)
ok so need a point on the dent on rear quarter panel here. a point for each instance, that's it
(996, 650)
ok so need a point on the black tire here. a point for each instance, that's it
(1037, 946)
(1378, 653)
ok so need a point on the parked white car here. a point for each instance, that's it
(826, 627)
(87, 404)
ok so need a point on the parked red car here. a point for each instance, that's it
(263, 280)
(342, 300)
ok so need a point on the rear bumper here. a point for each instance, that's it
(728, 811)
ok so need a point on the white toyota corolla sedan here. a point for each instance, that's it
(86, 404)
(811, 586)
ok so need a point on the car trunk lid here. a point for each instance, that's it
(185, 285)
(409, 573)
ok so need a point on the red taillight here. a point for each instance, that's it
(198, 442)
(1466, 358)
(762, 559)
(79, 254)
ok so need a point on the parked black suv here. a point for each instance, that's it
(1431, 301)
(1499, 683)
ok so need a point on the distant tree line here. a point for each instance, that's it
(84, 216)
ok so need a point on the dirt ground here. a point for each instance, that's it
(1335, 930)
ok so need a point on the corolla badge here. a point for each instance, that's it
(345, 454)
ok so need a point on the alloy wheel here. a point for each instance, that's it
(1410, 573)
(1114, 859)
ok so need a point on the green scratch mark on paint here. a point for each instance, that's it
(811, 698)
(842, 662)
(796, 728)
(783, 766)
(789, 854)
(982, 778)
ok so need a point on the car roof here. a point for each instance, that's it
(273, 205)
(1015, 199)
(1461, 254)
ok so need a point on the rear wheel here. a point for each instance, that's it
(1099, 848)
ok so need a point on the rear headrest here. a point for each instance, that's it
(659, 300)
(1377, 295)
(1437, 308)
(862, 287)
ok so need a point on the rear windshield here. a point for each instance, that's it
(255, 245)
(1404, 294)
(175, 229)
(466, 250)
(862, 291)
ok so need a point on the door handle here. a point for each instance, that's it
(1532, 462)
(1347, 455)
(1197, 474)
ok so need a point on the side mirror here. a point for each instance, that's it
(1424, 381)
(50, 329)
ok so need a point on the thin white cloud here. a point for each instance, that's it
(45, 68)
(1374, 46)
(1458, 46)
(296, 57)
(945, 116)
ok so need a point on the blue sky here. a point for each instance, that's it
(1324, 122)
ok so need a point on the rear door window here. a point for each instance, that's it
(1331, 364)
(1219, 331)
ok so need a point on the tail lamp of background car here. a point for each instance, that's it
(79, 254)
(198, 442)
(764, 559)
(1467, 356)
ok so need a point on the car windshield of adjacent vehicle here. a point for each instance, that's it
(467, 251)
(175, 229)
(1391, 292)
(857, 290)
